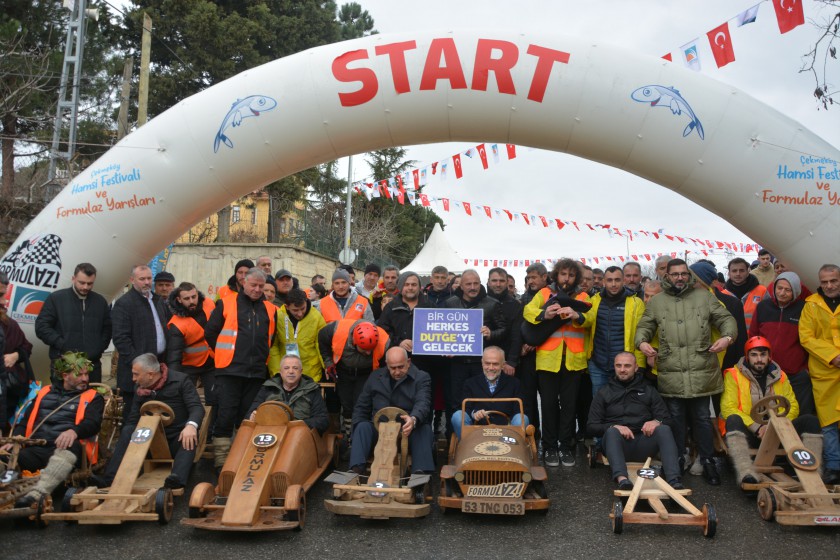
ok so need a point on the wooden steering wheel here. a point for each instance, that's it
(158, 408)
(388, 414)
(775, 405)
(274, 413)
(489, 413)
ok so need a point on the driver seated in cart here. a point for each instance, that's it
(492, 385)
(299, 391)
(155, 382)
(629, 415)
(68, 414)
(754, 377)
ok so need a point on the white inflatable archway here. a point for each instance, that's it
(717, 146)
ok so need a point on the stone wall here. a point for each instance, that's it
(210, 266)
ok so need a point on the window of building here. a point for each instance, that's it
(234, 215)
(254, 216)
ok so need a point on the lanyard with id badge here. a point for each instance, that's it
(292, 347)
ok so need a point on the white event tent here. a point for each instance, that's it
(436, 251)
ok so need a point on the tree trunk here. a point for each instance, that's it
(7, 148)
(223, 228)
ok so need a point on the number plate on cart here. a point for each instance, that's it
(493, 507)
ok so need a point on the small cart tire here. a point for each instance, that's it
(767, 504)
(164, 504)
(202, 495)
(66, 507)
(44, 506)
(710, 528)
(295, 505)
(618, 518)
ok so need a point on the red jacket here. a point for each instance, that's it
(781, 327)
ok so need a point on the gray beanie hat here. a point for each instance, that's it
(794, 281)
(340, 274)
(405, 276)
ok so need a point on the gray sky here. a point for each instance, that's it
(558, 185)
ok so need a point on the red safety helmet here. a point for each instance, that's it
(365, 336)
(756, 342)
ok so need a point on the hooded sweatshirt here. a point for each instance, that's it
(780, 325)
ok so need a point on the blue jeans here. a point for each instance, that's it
(517, 420)
(831, 447)
(599, 377)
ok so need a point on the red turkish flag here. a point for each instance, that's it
(495, 262)
(560, 224)
(527, 221)
(720, 41)
(434, 167)
(544, 221)
(482, 153)
(487, 211)
(424, 199)
(415, 174)
(456, 160)
(468, 208)
(383, 187)
(647, 256)
(445, 204)
(509, 214)
(789, 14)
(515, 263)
(511, 150)
(485, 262)
(668, 57)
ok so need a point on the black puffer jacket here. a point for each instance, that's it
(69, 323)
(65, 418)
(512, 341)
(627, 404)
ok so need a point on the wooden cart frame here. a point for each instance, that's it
(13, 486)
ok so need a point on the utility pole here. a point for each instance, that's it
(122, 119)
(68, 105)
(347, 254)
(145, 56)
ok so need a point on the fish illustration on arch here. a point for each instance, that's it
(671, 98)
(251, 106)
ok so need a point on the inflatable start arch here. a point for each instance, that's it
(717, 146)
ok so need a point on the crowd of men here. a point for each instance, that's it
(642, 364)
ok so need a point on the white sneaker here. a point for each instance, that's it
(696, 468)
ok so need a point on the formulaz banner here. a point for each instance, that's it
(448, 332)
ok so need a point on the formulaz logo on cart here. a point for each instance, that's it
(504, 490)
(255, 465)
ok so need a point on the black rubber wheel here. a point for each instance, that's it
(65, 502)
(164, 504)
(298, 514)
(43, 507)
(710, 528)
(618, 518)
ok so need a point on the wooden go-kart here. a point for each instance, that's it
(803, 500)
(649, 486)
(273, 462)
(13, 486)
(388, 491)
(493, 469)
(137, 493)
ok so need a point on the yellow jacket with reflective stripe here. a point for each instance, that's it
(819, 334)
(569, 341)
(741, 390)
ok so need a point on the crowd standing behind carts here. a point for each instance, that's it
(700, 348)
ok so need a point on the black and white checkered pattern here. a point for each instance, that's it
(43, 250)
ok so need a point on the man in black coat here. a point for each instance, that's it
(155, 382)
(402, 385)
(629, 415)
(492, 385)
(472, 295)
(76, 319)
(511, 342)
(139, 320)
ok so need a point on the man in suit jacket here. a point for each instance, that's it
(491, 385)
(402, 385)
(139, 321)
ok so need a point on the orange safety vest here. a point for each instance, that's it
(751, 301)
(331, 311)
(226, 343)
(197, 351)
(572, 336)
(224, 292)
(342, 333)
(91, 446)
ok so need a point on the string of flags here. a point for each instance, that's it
(408, 188)
(603, 261)
(789, 15)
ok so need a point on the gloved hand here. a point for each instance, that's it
(331, 373)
